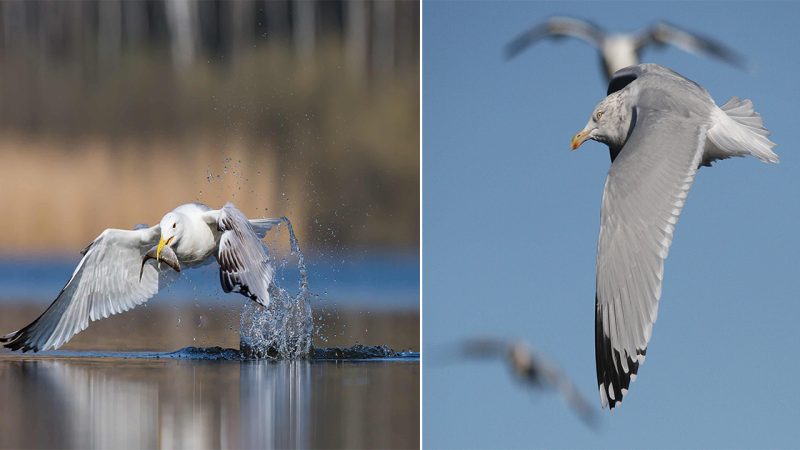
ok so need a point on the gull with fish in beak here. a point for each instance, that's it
(121, 269)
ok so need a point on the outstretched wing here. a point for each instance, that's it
(484, 348)
(558, 380)
(665, 33)
(106, 282)
(556, 27)
(644, 193)
(244, 264)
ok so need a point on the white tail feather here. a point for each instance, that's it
(738, 130)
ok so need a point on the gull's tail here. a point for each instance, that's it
(738, 131)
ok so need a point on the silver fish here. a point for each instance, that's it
(167, 255)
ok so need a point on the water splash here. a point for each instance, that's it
(285, 328)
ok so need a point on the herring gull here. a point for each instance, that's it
(620, 50)
(120, 269)
(660, 128)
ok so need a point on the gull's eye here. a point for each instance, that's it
(598, 115)
(174, 224)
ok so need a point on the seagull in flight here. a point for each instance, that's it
(620, 50)
(660, 128)
(532, 369)
(120, 269)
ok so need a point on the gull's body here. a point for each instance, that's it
(660, 128)
(114, 274)
(617, 52)
(203, 241)
(620, 50)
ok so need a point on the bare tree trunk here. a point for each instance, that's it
(356, 44)
(14, 23)
(109, 33)
(383, 32)
(241, 26)
(134, 15)
(277, 12)
(182, 19)
(304, 30)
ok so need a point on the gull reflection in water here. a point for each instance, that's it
(276, 401)
(64, 403)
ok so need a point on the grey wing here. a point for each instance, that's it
(260, 226)
(106, 282)
(484, 348)
(561, 383)
(556, 27)
(665, 33)
(244, 264)
(644, 193)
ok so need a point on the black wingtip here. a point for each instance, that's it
(612, 378)
(17, 341)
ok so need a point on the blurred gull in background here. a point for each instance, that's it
(660, 128)
(531, 368)
(620, 50)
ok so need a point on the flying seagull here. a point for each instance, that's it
(120, 269)
(660, 128)
(620, 50)
(531, 368)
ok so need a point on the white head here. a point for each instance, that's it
(610, 122)
(171, 231)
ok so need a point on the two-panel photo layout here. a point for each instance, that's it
(399, 224)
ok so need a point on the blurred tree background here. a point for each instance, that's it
(114, 112)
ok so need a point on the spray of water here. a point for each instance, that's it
(285, 328)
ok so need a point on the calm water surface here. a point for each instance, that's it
(79, 398)
(59, 402)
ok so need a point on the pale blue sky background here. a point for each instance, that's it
(511, 222)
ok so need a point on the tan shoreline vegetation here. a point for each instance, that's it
(337, 154)
(61, 195)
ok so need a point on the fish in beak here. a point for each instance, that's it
(161, 244)
(161, 252)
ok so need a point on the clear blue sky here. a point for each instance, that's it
(511, 222)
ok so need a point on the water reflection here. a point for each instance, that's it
(276, 400)
(116, 403)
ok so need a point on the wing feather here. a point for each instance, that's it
(644, 193)
(556, 27)
(105, 282)
(666, 33)
(244, 263)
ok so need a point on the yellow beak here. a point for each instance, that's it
(579, 139)
(161, 244)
